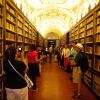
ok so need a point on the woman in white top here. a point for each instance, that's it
(66, 54)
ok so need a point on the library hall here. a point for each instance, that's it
(49, 49)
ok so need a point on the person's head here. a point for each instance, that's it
(78, 47)
(74, 43)
(65, 46)
(32, 47)
(38, 48)
(10, 53)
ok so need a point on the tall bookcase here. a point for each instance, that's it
(1, 46)
(19, 31)
(15, 29)
(87, 32)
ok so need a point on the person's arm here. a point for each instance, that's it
(41, 58)
(24, 60)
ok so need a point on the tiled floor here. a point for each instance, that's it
(55, 84)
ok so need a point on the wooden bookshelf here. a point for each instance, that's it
(1, 47)
(16, 30)
(87, 32)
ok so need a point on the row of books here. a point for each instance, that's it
(97, 38)
(12, 11)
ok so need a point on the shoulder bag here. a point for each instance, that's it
(26, 78)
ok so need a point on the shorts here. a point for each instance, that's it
(17, 94)
(76, 75)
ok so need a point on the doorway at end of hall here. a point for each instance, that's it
(53, 43)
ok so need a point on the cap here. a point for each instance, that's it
(79, 45)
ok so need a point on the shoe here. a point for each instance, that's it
(76, 96)
(75, 92)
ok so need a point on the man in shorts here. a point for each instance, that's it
(77, 71)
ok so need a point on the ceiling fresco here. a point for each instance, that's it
(55, 16)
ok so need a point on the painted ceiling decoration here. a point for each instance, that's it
(55, 16)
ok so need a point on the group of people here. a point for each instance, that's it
(16, 87)
(70, 56)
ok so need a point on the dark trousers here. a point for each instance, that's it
(34, 81)
(32, 72)
(50, 57)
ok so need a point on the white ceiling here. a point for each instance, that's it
(55, 16)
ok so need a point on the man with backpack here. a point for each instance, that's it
(80, 64)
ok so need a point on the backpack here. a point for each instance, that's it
(84, 62)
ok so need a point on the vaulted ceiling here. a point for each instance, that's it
(55, 16)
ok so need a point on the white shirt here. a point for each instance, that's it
(66, 52)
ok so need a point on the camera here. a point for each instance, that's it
(20, 49)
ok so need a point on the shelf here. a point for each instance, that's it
(20, 31)
(97, 24)
(89, 28)
(9, 40)
(87, 81)
(97, 62)
(11, 13)
(97, 42)
(1, 15)
(10, 31)
(11, 22)
(1, 26)
(88, 74)
(20, 27)
(98, 28)
(80, 27)
(97, 54)
(81, 37)
(89, 53)
(19, 38)
(20, 18)
(96, 88)
(89, 43)
(98, 12)
(97, 33)
(89, 35)
(1, 5)
(96, 79)
(89, 19)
